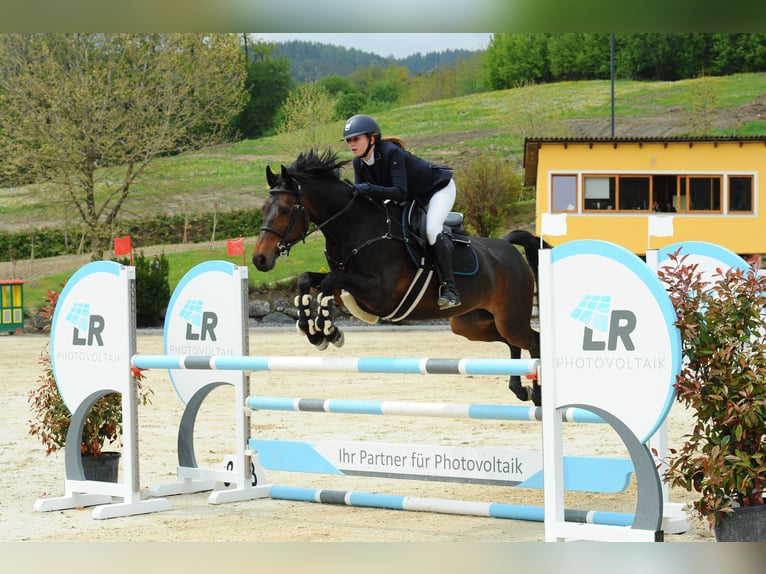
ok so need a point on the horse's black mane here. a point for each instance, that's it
(313, 163)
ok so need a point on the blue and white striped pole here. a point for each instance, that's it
(444, 506)
(416, 409)
(516, 367)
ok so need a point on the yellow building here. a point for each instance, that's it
(11, 305)
(609, 187)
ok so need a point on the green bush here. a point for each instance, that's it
(152, 289)
(723, 384)
(486, 193)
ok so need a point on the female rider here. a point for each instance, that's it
(384, 169)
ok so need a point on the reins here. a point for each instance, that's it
(299, 210)
(342, 264)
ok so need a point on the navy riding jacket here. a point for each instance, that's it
(400, 176)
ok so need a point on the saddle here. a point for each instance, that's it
(464, 259)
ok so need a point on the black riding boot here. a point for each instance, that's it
(442, 255)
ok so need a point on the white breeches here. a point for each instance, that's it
(438, 209)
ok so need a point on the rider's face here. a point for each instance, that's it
(358, 145)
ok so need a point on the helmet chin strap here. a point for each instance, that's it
(370, 143)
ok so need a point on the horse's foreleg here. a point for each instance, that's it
(324, 320)
(331, 284)
(479, 325)
(306, 325)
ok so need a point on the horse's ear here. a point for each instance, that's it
(285, 175)
(271, 177)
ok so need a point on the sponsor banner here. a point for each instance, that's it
(91, 333)
(205, 317)
(495, 465)
(615, 345)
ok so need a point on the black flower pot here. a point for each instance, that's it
(104, 468)
(743, 525)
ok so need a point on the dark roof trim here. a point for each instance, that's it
(673, 139)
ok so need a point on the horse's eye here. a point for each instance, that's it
(284, 208)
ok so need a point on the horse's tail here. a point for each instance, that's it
(530, 243)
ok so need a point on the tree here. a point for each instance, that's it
(348, 99)
(513, 60)
(349, 104)
(654, 56)
(306, 114)
(86, 114)
(579, 56)
(460, 78)
(268, 83)
(337, 85)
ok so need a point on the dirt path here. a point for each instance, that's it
(31, 269)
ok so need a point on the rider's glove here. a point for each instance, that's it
(363, 188)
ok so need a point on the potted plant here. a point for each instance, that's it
(103, 426)
(722, 321)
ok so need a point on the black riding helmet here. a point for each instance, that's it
(360, 124)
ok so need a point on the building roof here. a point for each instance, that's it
(532, 146)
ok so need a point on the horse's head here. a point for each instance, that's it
(285, 221)
(309, 190)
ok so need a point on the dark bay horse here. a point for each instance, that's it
(369, 252)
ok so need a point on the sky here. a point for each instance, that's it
(396, 45)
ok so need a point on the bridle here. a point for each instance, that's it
(299, 210)
(299, 213)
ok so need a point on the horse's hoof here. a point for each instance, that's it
(521, 392)
(339, 339)
(535, 395)
(318, 340)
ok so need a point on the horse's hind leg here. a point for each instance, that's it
(480, 325)
(515, 328)
(523, 393)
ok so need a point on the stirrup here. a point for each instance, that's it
(448, 297)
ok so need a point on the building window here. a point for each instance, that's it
(703, 192)
(564, 192)
(740, 193)
(600, 192)
(623, 192)
(665, 192)
(633, 193)
(671, 192)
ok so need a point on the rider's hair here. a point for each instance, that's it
(393, 139)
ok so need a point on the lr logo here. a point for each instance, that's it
(87, 328)
(595, 312)
(200, 325)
